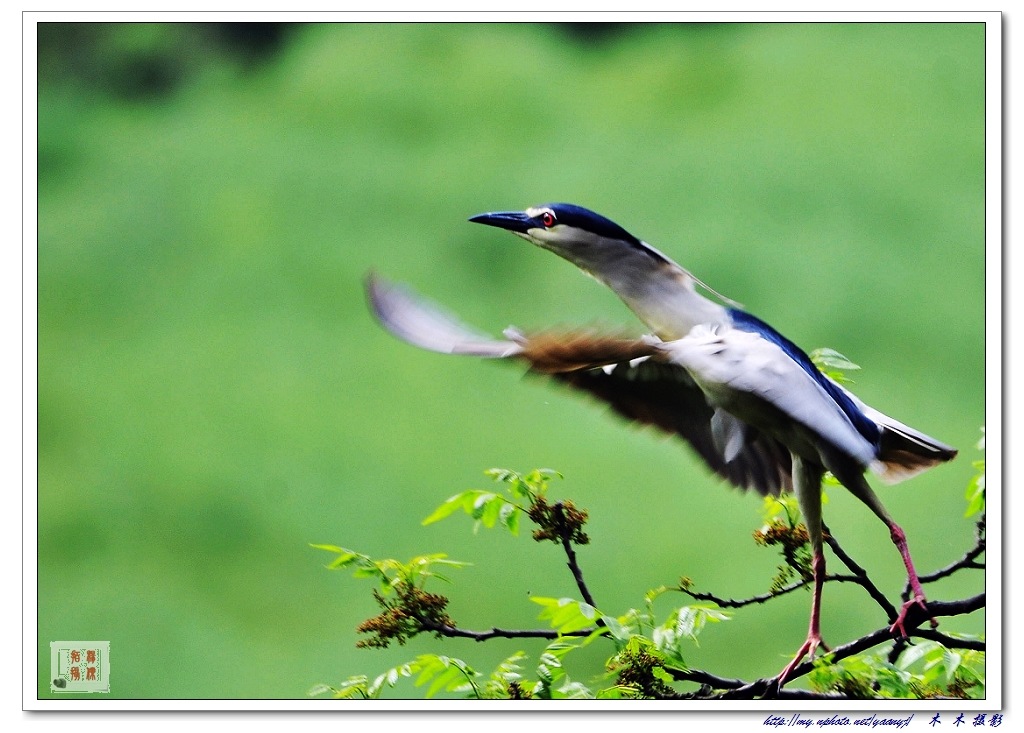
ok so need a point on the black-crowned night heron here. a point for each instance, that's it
(746, 398)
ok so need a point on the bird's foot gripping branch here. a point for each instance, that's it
(648, 647)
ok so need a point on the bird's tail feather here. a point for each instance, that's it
(904, 452)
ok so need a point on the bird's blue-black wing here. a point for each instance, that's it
(864, 425)
(653, 392)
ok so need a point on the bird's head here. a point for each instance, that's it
(579, 235)
(657, 289)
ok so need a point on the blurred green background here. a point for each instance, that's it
(214, 396)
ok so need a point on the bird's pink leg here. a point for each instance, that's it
(813, 640)
(900, 540)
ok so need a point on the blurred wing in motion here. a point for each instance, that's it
(421, 323)
(632, 375)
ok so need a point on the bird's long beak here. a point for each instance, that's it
(515, 221)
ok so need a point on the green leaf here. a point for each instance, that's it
(508, 670)
(503, 475)
(533, 484)
(450, 677)
(328, 548)
(344, 557)
(616, 692)
(539, 478)
(975, 493)
(444, 673)
(663, 674)
(490, 510)
(450, 506)
(826, 357)
(343, 560)
(509, 517)
(915, 653)
(619, 631)
(466, 501)
(575, 691)
(320, 689)
(685, 623)
(862, 676)
(951, 662)
(486, 507)
(651, 595)
(355, 686)
(833, 364)
(565, 614)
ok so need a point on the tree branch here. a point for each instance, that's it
(496, 633)
(861, 573)
(738, 689)
(564, 533)
(764, 597)
(563, 525)
(967, 561)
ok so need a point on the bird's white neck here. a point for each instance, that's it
(667, 301)
(661, 293)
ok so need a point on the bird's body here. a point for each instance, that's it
(748, 400)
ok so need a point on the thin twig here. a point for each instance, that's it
(496, 633)
(965, 562)
(764, 597)
(570, 553)
(861, 573)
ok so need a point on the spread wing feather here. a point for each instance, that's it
(631, 375)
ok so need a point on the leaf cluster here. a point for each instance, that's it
(782, 527)
(489, 508)
(649, 657)
(443, 673)
(925, 670)
(407, 609)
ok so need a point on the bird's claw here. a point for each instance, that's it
(809, 647)
(898, 629)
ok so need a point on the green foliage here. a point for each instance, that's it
(648, 655)
(975, 493)
(782, 527)
(566, 615)
(506, 681)
(640, 671)
(552, 677)
(444, 674)
(863, 676)
(556, 522)
(485, 507)
(926, 669)
(407, 609)
(833, 364)
(959, 673)
(391, 573)
(489, 508)
(685, 624)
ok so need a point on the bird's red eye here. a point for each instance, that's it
(548, 219)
